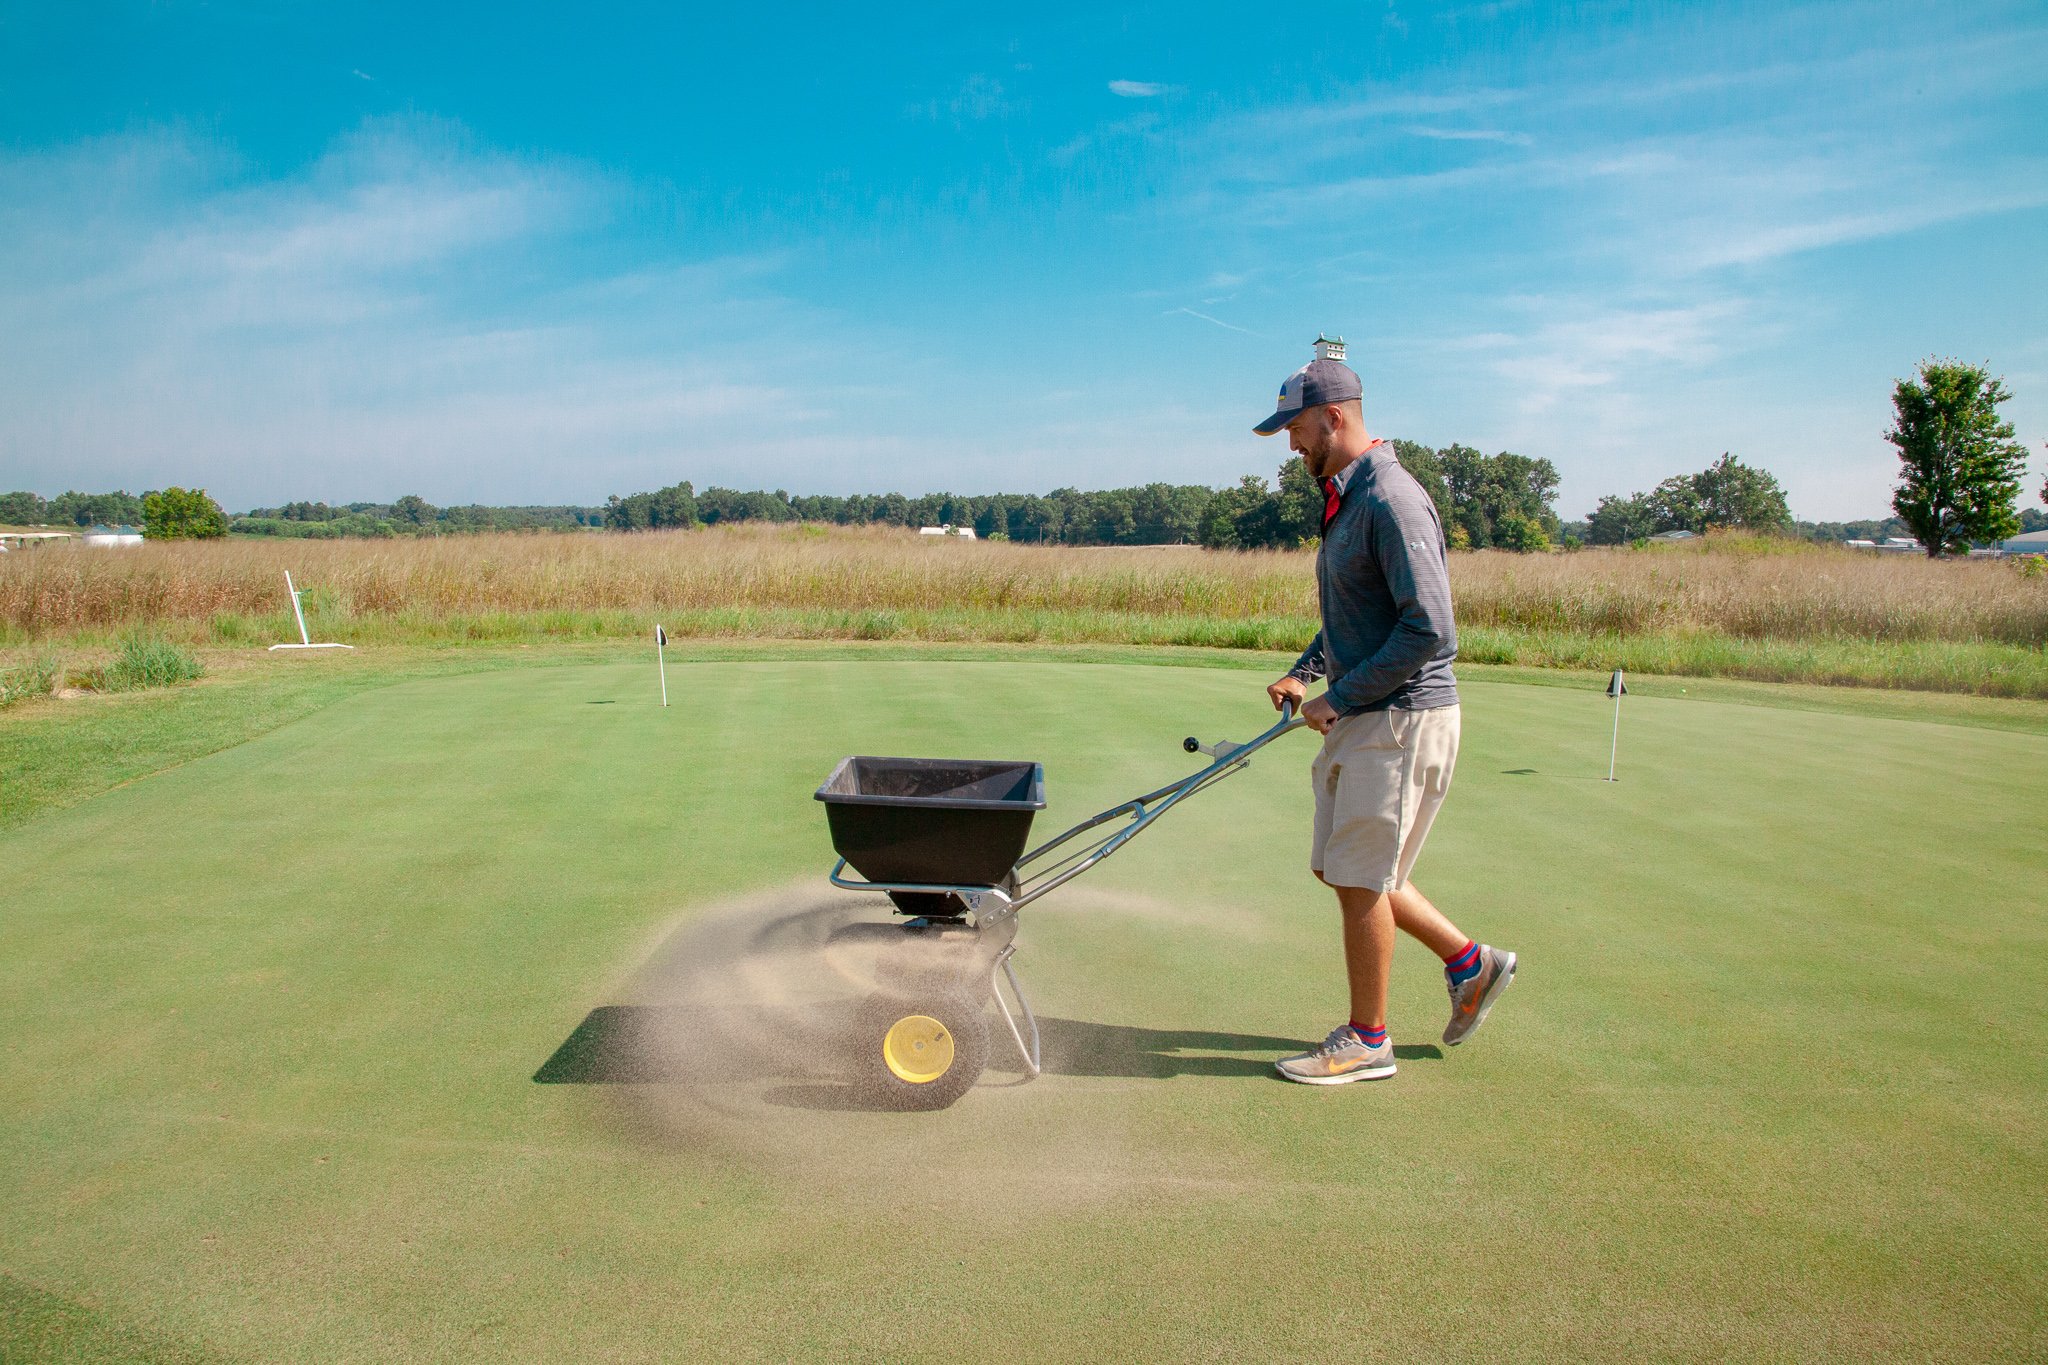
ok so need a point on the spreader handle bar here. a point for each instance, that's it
(1141, 811)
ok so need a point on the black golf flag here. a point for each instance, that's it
(661, 638)
(1615, 686)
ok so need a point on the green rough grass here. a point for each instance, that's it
(272, 1018)
(34, 677)
(144, 661)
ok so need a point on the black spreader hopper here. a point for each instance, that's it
(944, 821)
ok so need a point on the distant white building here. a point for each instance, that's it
(113, 535)
(1860, 544)
(18, 540)
(1675, 535)
(2032, 543)
(949, 529)
(1901, 545)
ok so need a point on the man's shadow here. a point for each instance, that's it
(1076, 1047)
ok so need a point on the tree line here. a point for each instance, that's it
(1487, 501)
(410, 515)
(1959, 484)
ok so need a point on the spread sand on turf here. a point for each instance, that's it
(733, 1043)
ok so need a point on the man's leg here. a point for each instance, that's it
(1416, 917)
(1475, 973)
(1357, 1050)
(1368, 952)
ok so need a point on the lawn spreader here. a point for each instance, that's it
(945, 840)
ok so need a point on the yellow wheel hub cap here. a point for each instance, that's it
(918, 1049)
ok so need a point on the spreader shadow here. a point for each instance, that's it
(614, 1045)
(637, 1045)
(623, 1045)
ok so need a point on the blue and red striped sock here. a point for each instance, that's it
(1371, 1037)
(1463, 965)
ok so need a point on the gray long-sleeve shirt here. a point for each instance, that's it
(1384, 586)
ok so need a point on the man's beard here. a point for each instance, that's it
(1316, 456)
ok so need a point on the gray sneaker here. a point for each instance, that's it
(1342, 1057)
(1475, 996)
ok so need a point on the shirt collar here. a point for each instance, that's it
(1342, 479)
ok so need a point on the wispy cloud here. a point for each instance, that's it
(1571, 345)
(347, 332)
(1219, 322)
(1138, 90)
(1470, 135)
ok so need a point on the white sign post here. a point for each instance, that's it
(661, 664)
(1617, 689)
(305, 640)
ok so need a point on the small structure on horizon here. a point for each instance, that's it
(1676, 535)
(113, 535)
(1901, 545)
(1329, 348)
(949, 529)
(22, 540)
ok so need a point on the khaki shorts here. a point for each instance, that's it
(1379, 780)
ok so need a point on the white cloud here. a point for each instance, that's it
(1137, 90)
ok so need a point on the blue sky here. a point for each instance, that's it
(514, 253)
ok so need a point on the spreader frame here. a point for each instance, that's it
(991, 905)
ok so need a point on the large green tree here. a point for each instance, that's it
(182, 514)
(673, 506)
(1727, 493)
(1491, 495)
(1620, 521)
(1959, 466)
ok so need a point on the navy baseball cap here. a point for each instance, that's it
(1316, 383)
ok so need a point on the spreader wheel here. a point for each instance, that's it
(920, 1052)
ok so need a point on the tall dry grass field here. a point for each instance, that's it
(739, 566)
(1728, 605)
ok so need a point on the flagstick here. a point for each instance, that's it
(304, 639)
(661, 663)
(1614, 746)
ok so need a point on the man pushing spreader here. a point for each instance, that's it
(1388, 718)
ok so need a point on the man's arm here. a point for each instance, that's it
(1311, 664)
(1408, 544)
(1293, 684)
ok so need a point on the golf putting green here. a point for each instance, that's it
(290, 1068)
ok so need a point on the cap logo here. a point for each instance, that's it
(1290, 392)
